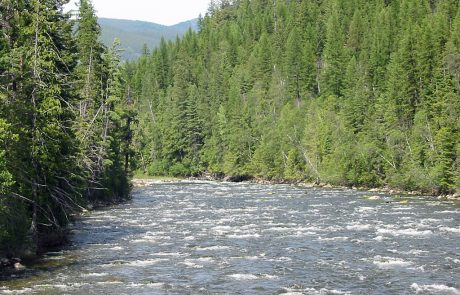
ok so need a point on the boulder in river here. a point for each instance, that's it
(19, 266)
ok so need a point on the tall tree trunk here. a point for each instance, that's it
(35, 173)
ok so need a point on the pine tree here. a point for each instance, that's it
(334, 54)
(50, 144)
(347, 92)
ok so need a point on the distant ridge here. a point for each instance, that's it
(134, 34)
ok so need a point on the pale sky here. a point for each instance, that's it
(165, 12)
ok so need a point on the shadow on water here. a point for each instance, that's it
(57, 259)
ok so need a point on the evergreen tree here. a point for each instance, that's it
(347, 92)
(334, 54)
(41, 140)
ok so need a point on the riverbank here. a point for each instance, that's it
(384, 190)
(146, 181)
(193, 237)
(50, 241)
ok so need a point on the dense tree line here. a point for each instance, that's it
(358, 92)
(64, 121)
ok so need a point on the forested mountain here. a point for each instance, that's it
(65, 120)
(358, 92)
(134, 34)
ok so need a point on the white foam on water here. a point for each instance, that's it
(78, 285)
(150, 285)
(329, 291)
(197, 262)
(205, 259)
(94, 275)
(269, 277)
(144, 240)
(169, 254)
(454, 260)
(243, 277)
(379, 238)
(222, 229)
(434, 289)
(244, 236)
(333, 228)
(61, 287)
(212, 248)
(415, 252)
(366, 209)
(250, 226)
(304, 234)
(391, 262)
(447, 212)
(431, 221)
(246, 257)
(146, 262)
(333, 239)
(403, 208)
(280, 259)
(320, 205)
(455, 230)
(117, 248)
(109, 283)
(21, 291)
(278, 229)
(192, 264)
(288, 291)
(404, 232)
(323, 291)
(359, 227)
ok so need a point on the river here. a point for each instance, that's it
(226, 238)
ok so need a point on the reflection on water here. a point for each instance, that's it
(222, 238)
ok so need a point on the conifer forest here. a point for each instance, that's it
(362, 93)
(65, 117)
(355, 93)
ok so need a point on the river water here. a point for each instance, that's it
(224, 238)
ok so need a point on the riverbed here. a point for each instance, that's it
(227, 238)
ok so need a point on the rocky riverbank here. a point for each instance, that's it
(9, 266)
(145, 182)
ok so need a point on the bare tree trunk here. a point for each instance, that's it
(85, 102)
(128, 141)
(35, 178)
(143, 161)
(318, 72)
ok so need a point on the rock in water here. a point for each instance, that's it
(19, 266)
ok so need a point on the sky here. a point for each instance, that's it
(165, 12)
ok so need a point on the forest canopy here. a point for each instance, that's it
(64, 122)
(356, 93)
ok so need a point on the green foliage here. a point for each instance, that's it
(64, 123)
(14, 225)
(348, 92)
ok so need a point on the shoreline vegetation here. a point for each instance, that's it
(15, 265)
(66, 114)
(353, 93)
(362, 93)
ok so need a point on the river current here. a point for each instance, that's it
(225, 238)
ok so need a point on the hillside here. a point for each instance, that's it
(356, 93)
(134, 34)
